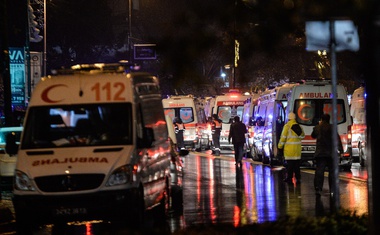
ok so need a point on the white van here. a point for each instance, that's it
(228, 106)
(359, 125)
(269, 120)
(184, 108)
(7, 161)
(94, 146)
(312, 99)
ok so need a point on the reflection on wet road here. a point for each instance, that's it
(216, 191)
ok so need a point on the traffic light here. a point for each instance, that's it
(33, 29)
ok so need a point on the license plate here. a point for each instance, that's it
(70, 211)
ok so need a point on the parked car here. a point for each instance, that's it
(8, 162)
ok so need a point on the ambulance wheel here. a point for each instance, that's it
(361, 155)
(347, 167)
(137, 215)
(265, 159)
(23, 224)
(254, 154)
(272, 161)
(164, 203)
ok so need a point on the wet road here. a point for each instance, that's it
(216, 191)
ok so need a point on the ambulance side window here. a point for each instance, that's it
(269, 113)
(140, 129)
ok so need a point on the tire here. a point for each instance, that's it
(163, 208)
(136, 217)
(361, 155)
(265, 159)
(23, 225)
(253, 153)
(347, 167)
(177, 199)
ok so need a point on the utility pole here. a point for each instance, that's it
(335, 185)
(130, 31)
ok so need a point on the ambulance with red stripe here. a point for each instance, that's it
(184, 108)
(228, 106)
(312, 99)
(94, 146)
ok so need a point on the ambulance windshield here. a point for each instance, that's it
(78, 125)
(309, 112)
(226, 112)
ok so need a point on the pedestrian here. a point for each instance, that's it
(323, 152)
(179, 129)
(290, 145)
(216, 128)
(238, 131)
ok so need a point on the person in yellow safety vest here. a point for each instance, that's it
(179, 129)
(290, 146)
(216, 128)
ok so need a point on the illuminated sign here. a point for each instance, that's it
(17, 75)
(145, 51)
(230, 103)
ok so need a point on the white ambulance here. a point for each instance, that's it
(94, 146)
(184, 107)
(269, 120)
(228, 106)
(359, 125)
(312, 99)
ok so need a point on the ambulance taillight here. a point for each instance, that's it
(349, 134)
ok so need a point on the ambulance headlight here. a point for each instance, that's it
(121, 175)
(23, 182)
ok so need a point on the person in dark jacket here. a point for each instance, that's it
(237, 133)
(323, 153)
(216, 128)
(179, 129)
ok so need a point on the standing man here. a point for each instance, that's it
(216, 128)
(323, 153)
(290, 144)
(237, 133)
(179, 129)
